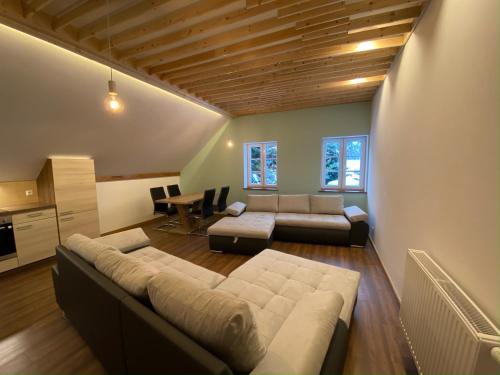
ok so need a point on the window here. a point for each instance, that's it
(343, 163)
(261, 165)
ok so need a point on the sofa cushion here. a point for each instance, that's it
(313, 221)
(300, 346)
(86, 248)
(223, 324)
(236, 209)
(262, 203)
(248, 225)
(130, 273)
(355, 214)
(163, 262)
(327, 204)
(298, 203)
(126, 241)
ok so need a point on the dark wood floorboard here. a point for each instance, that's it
(35, 338)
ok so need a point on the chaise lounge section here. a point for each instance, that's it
(302, 309)
(298, 218)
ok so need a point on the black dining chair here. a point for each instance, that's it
(222, 200)
(173, 190)
(207, 205)
(158, 193)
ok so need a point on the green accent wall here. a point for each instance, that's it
(298, 134)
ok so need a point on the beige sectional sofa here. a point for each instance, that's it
(291, 314)
(300, 217)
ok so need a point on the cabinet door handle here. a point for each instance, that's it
(26, 227)
(67, 218)
(65, 213)
(36, 214)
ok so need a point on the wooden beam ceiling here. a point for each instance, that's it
(235, 56)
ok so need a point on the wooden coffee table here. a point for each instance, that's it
(182, 203)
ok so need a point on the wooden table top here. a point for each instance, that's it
(183, 199)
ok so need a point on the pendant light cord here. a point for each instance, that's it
(109, 36)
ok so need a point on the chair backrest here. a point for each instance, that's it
(222, 200)
(173, 190)
(207, 207)
(157, 193)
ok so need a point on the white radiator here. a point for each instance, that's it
(447, 333)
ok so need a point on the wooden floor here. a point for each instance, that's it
(35, 338)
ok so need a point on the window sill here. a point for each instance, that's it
(261, 188)
(341, 191)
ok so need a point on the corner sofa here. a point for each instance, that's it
(299, 218)
(288, 297)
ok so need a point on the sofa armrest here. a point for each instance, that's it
(355, 214)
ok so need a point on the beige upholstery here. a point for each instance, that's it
(127, 240)
(313, 221)
(130, 273)
(298, 203)
(85, 247)
(273, 283)
(327, 204)
(162, 261)
(236, 209)
(355, 214)
(248, 225)
(262, 203)
(223, 324)
(300, 346)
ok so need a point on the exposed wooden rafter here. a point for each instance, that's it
(234, 56)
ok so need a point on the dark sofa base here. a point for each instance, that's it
(311, 235)
(242, 245)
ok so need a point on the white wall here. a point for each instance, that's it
(434, 174)
(125, 203)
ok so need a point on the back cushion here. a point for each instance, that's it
(298, 203)
(130, 273)
(85, 247)
(262, 203)
(126, 241)
(327, 204)
(220, 322)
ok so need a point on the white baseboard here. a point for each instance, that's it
(385, 269)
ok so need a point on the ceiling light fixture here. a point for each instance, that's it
(229, 143)
(112, 103)
(365, 46)
(357, 81)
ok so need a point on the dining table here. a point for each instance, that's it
(183, 203)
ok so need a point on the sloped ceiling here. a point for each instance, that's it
(51, 103)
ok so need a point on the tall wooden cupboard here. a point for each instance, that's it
(70, 185)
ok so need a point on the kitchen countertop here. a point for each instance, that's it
(18, 209)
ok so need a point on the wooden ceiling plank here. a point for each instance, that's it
(408, 14)
(216, 40)
(35, 6)
(270, 65)
(307, 6)
(250, 61)
(296, 75)
(354, 8)
(119, 17)
(78, 12)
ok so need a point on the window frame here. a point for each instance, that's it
(342, 187)
(248, 170)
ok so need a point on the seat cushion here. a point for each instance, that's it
(327, 204)
(313, 221)
(273, 283)
(130, 273)
(298, 203)
(236, 209)
(223, 324)
(355, 214)
(126, 241)
(248, 225)
(262, 203)
(163, 262)
(86, 248)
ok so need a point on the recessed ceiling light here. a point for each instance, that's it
(365, 46)
(357, 81)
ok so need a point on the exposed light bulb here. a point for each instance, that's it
(357, 81)
(229, 143)
(112, 103)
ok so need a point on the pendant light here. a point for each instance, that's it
(112, 103)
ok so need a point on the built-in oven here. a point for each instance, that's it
(7, 242)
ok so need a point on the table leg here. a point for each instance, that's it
(184, 218)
